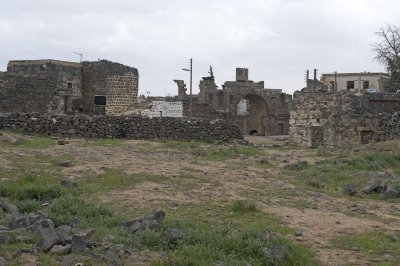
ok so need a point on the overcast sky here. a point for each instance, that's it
(277, 40)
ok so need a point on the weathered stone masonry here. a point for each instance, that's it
(130, 127)
(341, 118)
(51, 86)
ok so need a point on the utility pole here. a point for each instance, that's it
(191, 77)
(335, 87)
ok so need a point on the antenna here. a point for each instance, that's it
(80, 56)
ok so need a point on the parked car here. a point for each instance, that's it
(371, 90)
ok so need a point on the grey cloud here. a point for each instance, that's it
(276, 39)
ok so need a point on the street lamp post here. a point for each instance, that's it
(190, 97)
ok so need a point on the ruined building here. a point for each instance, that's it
(343, 118)
(255, 109)
(52, 86)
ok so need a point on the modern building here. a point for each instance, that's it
(355, 82)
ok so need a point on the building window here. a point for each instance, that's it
(210, 98)
(365, 84)
(230, 99)
(69, 85)
(220, 99)
(350, 85)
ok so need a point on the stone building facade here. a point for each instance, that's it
(255, 109)
(52, 86)
(342, 118)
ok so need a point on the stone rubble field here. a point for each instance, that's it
(258, 201)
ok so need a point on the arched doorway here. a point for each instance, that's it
(253, 109)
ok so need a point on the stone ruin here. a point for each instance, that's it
(59, 87)
(255, 109)
(342, 118)
(42, 90)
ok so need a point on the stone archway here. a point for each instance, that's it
(253, 109)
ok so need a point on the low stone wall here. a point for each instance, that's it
(130, 127)
(341, 118)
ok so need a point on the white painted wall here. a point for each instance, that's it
(375, 81)
(168, 109)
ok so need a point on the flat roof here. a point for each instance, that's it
(43, 61)
(357, 74)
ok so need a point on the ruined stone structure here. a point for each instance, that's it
(51, 86)
(342, 118)
(255, 109)
(130, 127)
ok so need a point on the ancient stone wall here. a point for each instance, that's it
(341, 118)
(43, 86)
(130, 127)
(118, 82)
(65, 87)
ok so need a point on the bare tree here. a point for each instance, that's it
(388, 53)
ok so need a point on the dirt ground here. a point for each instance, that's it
(230, 179)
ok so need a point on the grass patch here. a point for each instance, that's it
(233, 239)
(116, 179)
(375, 245)
(244, 206)
(225, 153)
(15, 140)
(105, 142)
(64, 209)
(30, 187)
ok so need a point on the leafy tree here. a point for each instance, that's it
(388, 53)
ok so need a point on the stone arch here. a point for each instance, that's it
(254, 114)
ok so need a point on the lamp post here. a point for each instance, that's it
(190, 97)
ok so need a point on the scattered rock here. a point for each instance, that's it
(349, 190)
(298, 233)
(86, 233)
(67, 163)
(172, 235)
(60, 249)
(358, 210)
(68, 183)
(47, 236)
(148, 222)
(5, 237)
(389, 193)
(297, 166)
(33, 217)
(20, 221)
(9, 208)
(64, 234)
(372, 185)
(74, 222)
(68, 261)
(276, 254)
(78, 244)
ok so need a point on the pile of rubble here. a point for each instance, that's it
(37, 229)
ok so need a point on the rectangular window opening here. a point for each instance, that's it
(350, 85)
